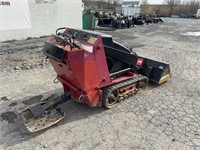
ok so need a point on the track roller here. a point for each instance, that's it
(122, 90)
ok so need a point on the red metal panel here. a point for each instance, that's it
(84, 69)
(64, 71)
(101, 62)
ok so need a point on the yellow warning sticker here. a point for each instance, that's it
(92, 40)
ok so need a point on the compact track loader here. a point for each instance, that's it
(93, 69)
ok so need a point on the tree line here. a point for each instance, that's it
(171, 7)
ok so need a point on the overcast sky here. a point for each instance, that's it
(155, 1)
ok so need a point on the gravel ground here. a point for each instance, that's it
(162, 117)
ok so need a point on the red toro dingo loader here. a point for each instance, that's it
(93, 69)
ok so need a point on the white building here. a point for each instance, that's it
(34, 18)
(129, 8)
(133, 3)
(112, 1)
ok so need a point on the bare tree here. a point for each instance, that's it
(190, 7)
(193, 6)
(156, 11)
(144, 6)
(171, 4)
(144, 2)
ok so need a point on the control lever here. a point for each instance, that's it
(62, 28)
(68, 36)
(62, 40)
(71, 41)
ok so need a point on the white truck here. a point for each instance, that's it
(198, 14)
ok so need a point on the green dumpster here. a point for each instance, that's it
(88, 20)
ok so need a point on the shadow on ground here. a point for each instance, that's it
(73, 112)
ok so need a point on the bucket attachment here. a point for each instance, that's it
(157, 72)
(43, 114)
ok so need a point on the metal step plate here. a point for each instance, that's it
(46, 120)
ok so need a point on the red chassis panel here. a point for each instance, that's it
(83, 72)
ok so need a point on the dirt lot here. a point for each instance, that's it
(161, 117)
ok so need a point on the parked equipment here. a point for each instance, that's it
(93, 69)
(119, 21)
